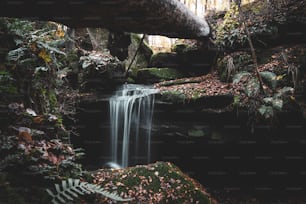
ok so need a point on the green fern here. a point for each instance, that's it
(73, 188)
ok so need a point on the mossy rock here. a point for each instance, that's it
(144, 54)
(181, 48)
(154, 75)
(174, 97)
(164, 59)
(196, 132)
(161, 182)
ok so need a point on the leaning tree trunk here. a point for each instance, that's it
(163, 17)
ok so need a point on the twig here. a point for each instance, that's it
(134, 57)
(242, 19)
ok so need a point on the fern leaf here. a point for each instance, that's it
(72, 188)
(64, 184)
(50, 192)
(48, 47)
(67, 196)
(88, 188)
(113, 196)
(76, 190)
(55, 202)
(71, 182)
(72, 193)
(60, 198)
(57, 188)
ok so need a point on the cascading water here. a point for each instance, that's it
(131, 112)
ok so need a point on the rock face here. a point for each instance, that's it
(190, 59)
(163, 17)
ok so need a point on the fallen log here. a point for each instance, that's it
(163, 17)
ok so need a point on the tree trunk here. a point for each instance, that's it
(163, 17)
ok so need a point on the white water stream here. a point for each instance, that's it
(131, 112)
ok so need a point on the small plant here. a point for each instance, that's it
(229, 32)
(276, 103)
(230, 68)
(293, 70)
(73, 188)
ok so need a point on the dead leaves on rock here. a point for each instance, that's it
(208, 85)
(154, 183)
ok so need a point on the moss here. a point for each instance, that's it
(130, 80)
(165, 73)
(153, 75)
(182, 48)
(50, 100)
(194, 132)
(173, 97)
(53, 100)
(164, 59)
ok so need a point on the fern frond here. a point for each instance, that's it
(48, 47)
(72, 188)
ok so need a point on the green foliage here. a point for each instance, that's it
(275, 103)
(196, 132)
(19, 27)
(266, 105)
(73, 188)
(235, 62)
(270, 78)
(230, 31)
(266, 111)
(184, 46)
(39, 62)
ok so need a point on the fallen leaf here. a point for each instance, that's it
(25, 136)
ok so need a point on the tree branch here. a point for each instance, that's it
(134, 57)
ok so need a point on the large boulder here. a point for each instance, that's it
(100, 70)
(165, 59)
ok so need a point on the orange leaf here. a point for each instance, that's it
(38, 119)
(27, 137)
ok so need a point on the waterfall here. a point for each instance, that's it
(131, 112)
